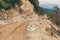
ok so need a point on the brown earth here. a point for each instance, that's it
(21, 28)
(14, 31)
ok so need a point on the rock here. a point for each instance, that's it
(26, 5)
(31, 28)
(33, 25)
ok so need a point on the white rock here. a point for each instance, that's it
(31, 28)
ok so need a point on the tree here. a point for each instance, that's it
(55, 8)
(55, 15)
(7, 4)
(38, 9)
(34, 2)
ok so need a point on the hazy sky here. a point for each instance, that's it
(49, 3)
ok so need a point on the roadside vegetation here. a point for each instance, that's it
(8, 4)
(38, 9)
(5, 6)
(55, 15)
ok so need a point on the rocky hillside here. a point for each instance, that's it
(27, 25)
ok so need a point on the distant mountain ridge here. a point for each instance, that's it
(48, 10)
(48, 6)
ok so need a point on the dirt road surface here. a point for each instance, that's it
(14, 31)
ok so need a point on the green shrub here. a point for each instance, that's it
(55, 15)
(7, 4)
(38, 9)
(34, 2)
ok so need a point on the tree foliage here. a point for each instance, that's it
(55, 8)
(38, 9)
(34, 2)
(55, 15)
(7, 4)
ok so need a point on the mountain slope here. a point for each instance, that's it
(28, 26)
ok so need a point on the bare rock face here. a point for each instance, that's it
(26, 5)
(27, 8)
